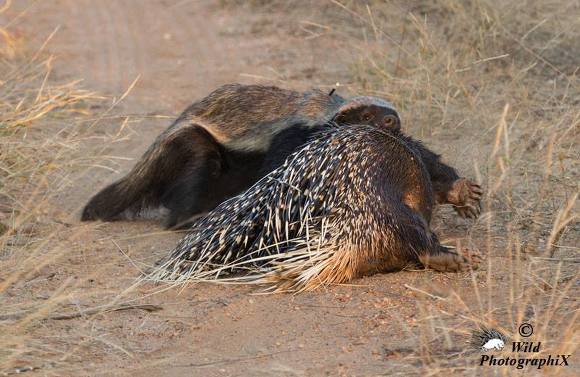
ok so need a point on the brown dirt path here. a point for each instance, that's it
(181, 50)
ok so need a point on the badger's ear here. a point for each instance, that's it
(362, 101)
(347, 107)
(347, 111)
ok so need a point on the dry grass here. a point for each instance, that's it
(50, 140)
(36, 163)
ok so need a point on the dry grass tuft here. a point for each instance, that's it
(36, 163)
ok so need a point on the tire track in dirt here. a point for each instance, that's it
(72, 5)
(131, 44)
(121, 57)
(89, 30)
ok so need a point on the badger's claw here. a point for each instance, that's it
(465, 196)
(445, 261)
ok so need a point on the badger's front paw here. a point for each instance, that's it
(465, 196)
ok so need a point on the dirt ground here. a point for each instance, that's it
(178, 51)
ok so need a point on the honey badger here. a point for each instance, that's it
(224, 143)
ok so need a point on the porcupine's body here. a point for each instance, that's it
(353, 201)
(222, 144)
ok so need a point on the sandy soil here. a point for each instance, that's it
(180, 50)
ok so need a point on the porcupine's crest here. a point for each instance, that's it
(283, 230)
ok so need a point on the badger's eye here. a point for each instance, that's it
(367, 117)
(390, 121)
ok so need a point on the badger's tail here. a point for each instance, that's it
(177, 153)
(130, 195)
(121, 200)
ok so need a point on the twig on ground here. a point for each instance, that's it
(98, 310)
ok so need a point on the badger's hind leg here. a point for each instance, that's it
(191, 190)
(190, 194)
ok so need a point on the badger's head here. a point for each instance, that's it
(368, 110)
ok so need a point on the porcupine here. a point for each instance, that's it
(353, 201)
(222, 144)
